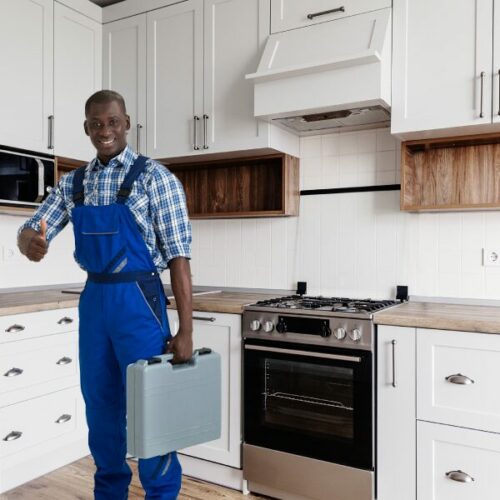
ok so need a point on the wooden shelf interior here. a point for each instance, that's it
(65, 165)
(451, 174)
(250, 187)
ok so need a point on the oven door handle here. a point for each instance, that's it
(296, 352)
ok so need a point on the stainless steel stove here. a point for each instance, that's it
(309, 397)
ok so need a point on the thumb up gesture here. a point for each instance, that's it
(33, 243)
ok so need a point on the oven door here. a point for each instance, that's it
(311, 401)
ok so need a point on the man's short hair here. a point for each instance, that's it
(103, 97)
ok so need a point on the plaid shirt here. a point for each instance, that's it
(157, 202)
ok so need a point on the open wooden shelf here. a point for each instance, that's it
(257, 186)
(459, 173)
(65, 165)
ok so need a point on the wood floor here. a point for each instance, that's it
(75, 482)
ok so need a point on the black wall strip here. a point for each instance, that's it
(360, 189)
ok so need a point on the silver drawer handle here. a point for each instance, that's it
(459, 379)
(13, 372)
(15, 328)
(459, 476)
(64, 361)
(481, 114)
(202, 318)
(12, 436)
(63, 419)
(324, 12)
(394, 383)
(65, 321)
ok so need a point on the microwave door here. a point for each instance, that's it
(41, 180)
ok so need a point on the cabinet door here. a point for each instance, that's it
(456, 464)
(290, 14)
(175, 78)
(124, 70)
(235, 31)
(26, 99)
(222, 333)
(396, 447)
(441, 49)
(77, 75)
(496, 65)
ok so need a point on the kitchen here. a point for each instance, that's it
(351, 233)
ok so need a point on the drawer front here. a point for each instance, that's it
(28, 363)
(457, 382)
(38, 324)
(41, 419)
(456, 464)
(290, 14)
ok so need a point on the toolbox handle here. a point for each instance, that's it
(165, 358)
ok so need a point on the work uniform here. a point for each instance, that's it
(122, 319)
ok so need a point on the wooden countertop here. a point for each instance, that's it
(442, 316)
(43, 300)
(224, 302)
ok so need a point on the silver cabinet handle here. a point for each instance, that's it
(65, 321)
(324, 12)
(459, 476)
(50, 145)
(481, 114)
(12, 436)
(202, 318)
(139, 127)
(195, 133)
(15, 328)
(205, 131)
(64, 361)
(459, 379)
(63, 419)
(13, 372)
(499, 91)
(394, 384)
(298, 352)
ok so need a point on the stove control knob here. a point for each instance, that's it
(355, 335)
(281, 326)
(255, 325)
(340, 333)
(325, 330)
(268, 326)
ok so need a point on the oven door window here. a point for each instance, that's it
(312, 406)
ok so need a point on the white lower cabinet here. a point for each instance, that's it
(396, 446)
(42, 417)
(457, 464)
(221, 333)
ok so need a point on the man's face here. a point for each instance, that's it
(106, 124)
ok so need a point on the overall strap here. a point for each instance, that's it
(135, 170)
(78, 193)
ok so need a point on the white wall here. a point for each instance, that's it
(353, 244)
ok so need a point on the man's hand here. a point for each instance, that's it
(181, 346)
(33, 244)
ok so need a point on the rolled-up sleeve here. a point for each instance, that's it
(169, 215)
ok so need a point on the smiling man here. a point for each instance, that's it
(130, 223)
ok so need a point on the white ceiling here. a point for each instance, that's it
(103, 3)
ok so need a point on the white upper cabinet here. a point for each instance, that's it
(442, 67)
(290, 14)
(26, 98)
(77, 75)
(496, 64)
(124, 70)
(175, 78)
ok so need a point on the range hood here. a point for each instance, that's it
(327, 76)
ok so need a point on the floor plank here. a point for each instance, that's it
(75, 482)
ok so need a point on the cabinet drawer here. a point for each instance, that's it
(32, 362)
(457, 382)
(290, 14)
(447, 456)
(41, 419)
(38, 324)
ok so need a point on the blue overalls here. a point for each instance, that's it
(122, 319)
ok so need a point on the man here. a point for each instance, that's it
(130, 223)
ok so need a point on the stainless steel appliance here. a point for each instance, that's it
(309, 402)
(25, 179)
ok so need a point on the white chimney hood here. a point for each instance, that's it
(326, 76)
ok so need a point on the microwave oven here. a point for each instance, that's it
(25, 179)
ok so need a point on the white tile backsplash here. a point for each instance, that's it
(350, 244)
